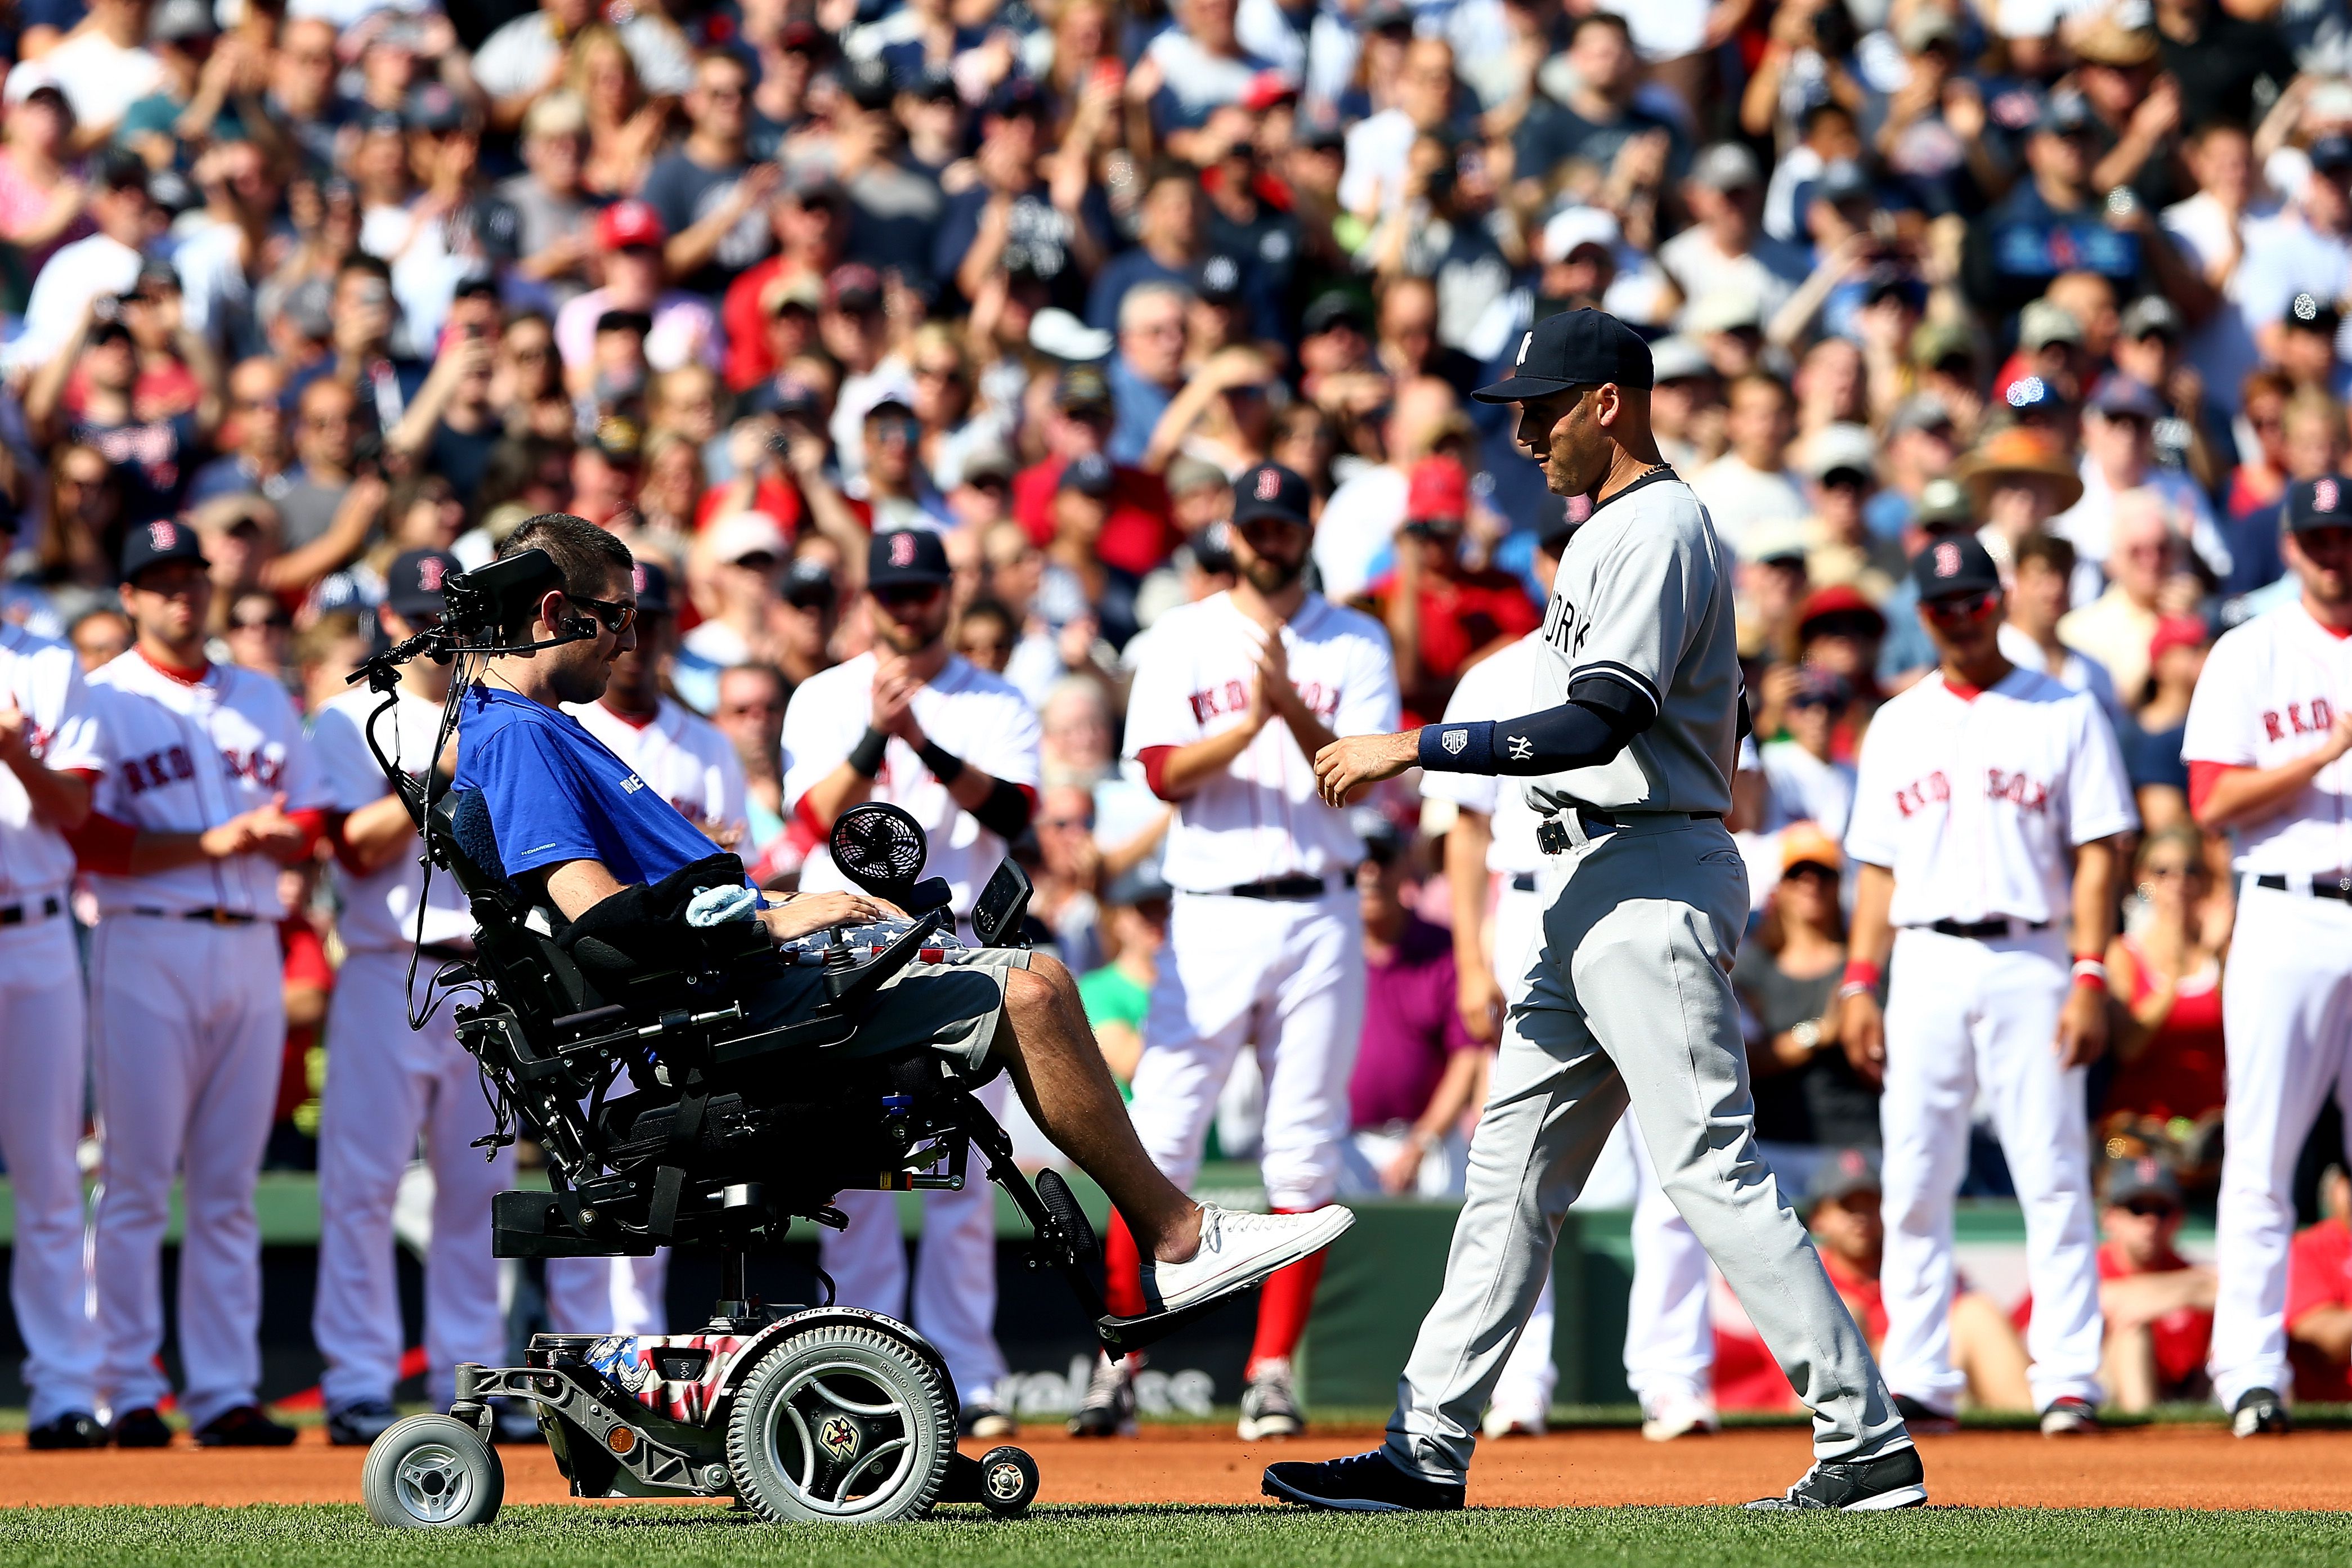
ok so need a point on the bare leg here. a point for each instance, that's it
(1986, 1348)
(1061, 1076)
(2128, 1368)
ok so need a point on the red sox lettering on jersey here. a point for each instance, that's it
(41, 680)
(2269, 694)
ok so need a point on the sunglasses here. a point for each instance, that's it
(2149, 1208)
(1961, 606)
(616, 617)
(903, 593)
(263, 623)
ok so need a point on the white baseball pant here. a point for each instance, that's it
(1669, 1333)
(385, 1085)
(1965, 1018)
(1630, 1002)
(191, 1031)
(608, 1295)
(2287, 1011)
(954, 1300)
(44, 1052)
(1285, 976)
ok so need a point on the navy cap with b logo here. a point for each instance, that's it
(151, 544)
(1272, 490)
(1951, 567)
(413, 587)
(1572, 348)
(650, 582)
(2323, 502)
(906, 557)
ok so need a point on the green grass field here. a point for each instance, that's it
(668, 1537)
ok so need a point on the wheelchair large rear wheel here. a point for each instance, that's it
(842, 1423)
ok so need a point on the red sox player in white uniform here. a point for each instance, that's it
(1978, 791)
(692, 765)
(914, 724)
(386, 1083)
(2268, 728)
(49, 749)
(208, 788)
(1232, 700)
(1669, 1335)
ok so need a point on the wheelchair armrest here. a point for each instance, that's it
(849, 988)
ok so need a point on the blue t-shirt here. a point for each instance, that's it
(555, 792)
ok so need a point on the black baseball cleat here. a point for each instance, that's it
(142, 1428)
(1361, 1483)
(360, 1423)
(1924, 1418)
(2260, 1412)
(243, 1426)
(1857, 1486)
(74, 1429)
(2070, 1417)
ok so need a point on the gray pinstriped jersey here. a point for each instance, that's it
(1643, 598)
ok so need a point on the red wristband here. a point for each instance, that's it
(1861, 974)
(2091, 972)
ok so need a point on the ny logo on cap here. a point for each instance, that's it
(1269, 483)
(1948, 560)
(428, 573)
(162, 535)
(2324, 495)
(902, 548)
(1524, 344)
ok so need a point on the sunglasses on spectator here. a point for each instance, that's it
(1808, 870)
(616, 617)
(903, 593)
(2149, 1206)
(1961, 606)
(1817, 699)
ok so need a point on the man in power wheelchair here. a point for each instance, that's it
(773, 1056)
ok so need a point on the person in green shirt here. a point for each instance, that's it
(1117, 994)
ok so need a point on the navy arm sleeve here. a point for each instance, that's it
(1593, 725)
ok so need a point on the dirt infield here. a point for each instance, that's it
(2161, 1467)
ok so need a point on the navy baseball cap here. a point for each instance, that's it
(907, 558)
(2331, 152)
(1572, 348)
(413, 587)
(650, 582)
(153, 543)
(1089, 474)
(2119, 396)
(1272, 490)
(2130, 1179)
(1843, 1174)
(2323, 502)
(1951, 567)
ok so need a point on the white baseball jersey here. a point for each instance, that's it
(970, 714)
(687, 758)
(1262, 818)
(186, 755)
(1642, 597)
(1802, 788)
(1974, 802)
(378, 913)
(2270, 691)
(1501, 685)
(42, 680)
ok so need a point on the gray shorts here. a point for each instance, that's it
(952, 1005)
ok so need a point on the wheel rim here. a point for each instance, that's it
(1005, 1481)
(433, 1483)
(830, 1439)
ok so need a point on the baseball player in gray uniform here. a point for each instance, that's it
(1628, 759)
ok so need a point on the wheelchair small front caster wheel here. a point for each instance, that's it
(430, 1472)
(1008, 1482)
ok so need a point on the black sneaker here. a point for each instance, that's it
(1924, 1418)
(2070, 1417)
(1858, 1486)
(2260, 1412)
(357, 1424)
(1270, 1405)
(142, 1428)
(1361, 1483)
(74, 1429)
(243, 1426)
(1109, 1409)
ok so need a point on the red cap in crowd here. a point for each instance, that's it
(627, 226)
(2174, 631)
(1439, 491)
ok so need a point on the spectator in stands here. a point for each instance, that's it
(2166, 973)
(2151, 739)
(1117, 994)
(2319, 1296)
(2158, 1304)
(2147, 582)
(1751, 484)
(2041, 588)
(1442, 614)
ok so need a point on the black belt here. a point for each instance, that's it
(2337, 886)
(1524, 883)
(1596, 820)
(1985, 931)
(18, 914)
(1301, 887)
(210, 917)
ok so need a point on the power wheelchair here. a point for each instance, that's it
(671, 1115)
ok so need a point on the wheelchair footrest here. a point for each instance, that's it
(1123, 1335)
(534, 1225)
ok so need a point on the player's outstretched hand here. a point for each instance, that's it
(2083, 1026)
(806, 912)
(1347, 765)
(1862, 1031)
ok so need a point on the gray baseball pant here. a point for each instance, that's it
(1629, 998)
